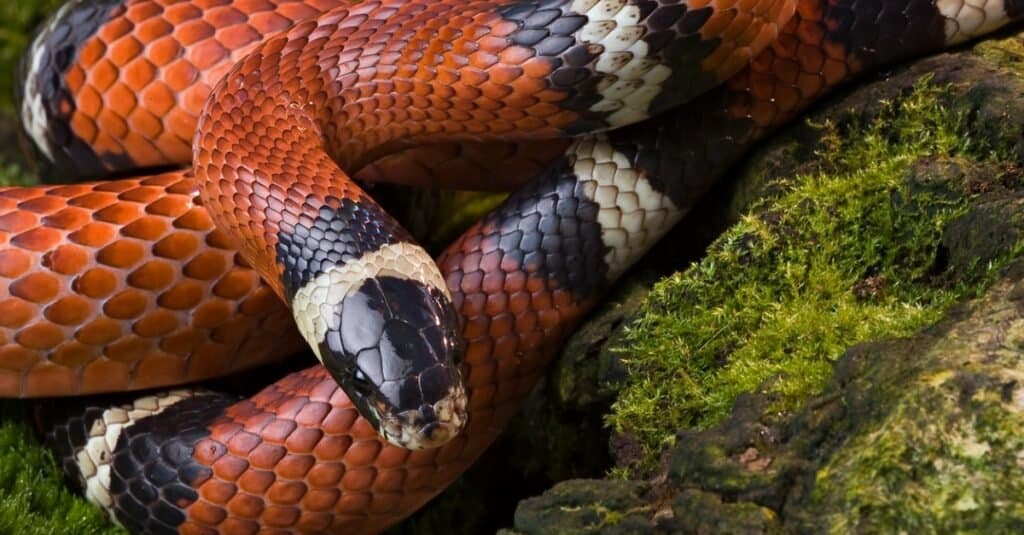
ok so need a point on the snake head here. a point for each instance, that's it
(406, 382)
(388, 333)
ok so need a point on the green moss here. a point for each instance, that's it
(586, 506)
(960, 471)
(19, 18)
(843, 255)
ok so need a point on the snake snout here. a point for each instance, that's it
(439, 423)
(431, 425)
(421, 396)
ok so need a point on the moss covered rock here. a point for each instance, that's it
(932, 427)
(755, 399)
(922, 433)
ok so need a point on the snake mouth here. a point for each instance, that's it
(430, 426)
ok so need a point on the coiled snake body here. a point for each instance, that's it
(175, 277)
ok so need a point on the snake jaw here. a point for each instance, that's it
(430, 426)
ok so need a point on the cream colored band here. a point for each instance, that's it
(315, 304)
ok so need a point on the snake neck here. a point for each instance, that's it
(370, 303)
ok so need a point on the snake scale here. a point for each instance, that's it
(609, 119)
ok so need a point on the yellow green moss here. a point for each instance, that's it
(1006, 52)
(844, 255)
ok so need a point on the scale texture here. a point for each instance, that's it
(375, 77)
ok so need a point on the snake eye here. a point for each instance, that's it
(362, 382)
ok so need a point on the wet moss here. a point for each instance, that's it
(848, 252)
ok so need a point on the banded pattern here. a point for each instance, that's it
(278, 131)
(297, 456)
(114, 85)
(631, 214)
(127, 467)
(88, 438)
(43, 95)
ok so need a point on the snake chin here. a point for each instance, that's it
(430, 426)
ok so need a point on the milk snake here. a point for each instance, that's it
(127, 284)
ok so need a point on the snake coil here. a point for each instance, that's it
(626, 111)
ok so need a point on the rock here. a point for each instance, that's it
(989, 229)
(608, 506)
(922, 432)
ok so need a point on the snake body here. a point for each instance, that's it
(278, 130)
(127, 284)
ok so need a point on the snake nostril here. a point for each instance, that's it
(428, 414)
